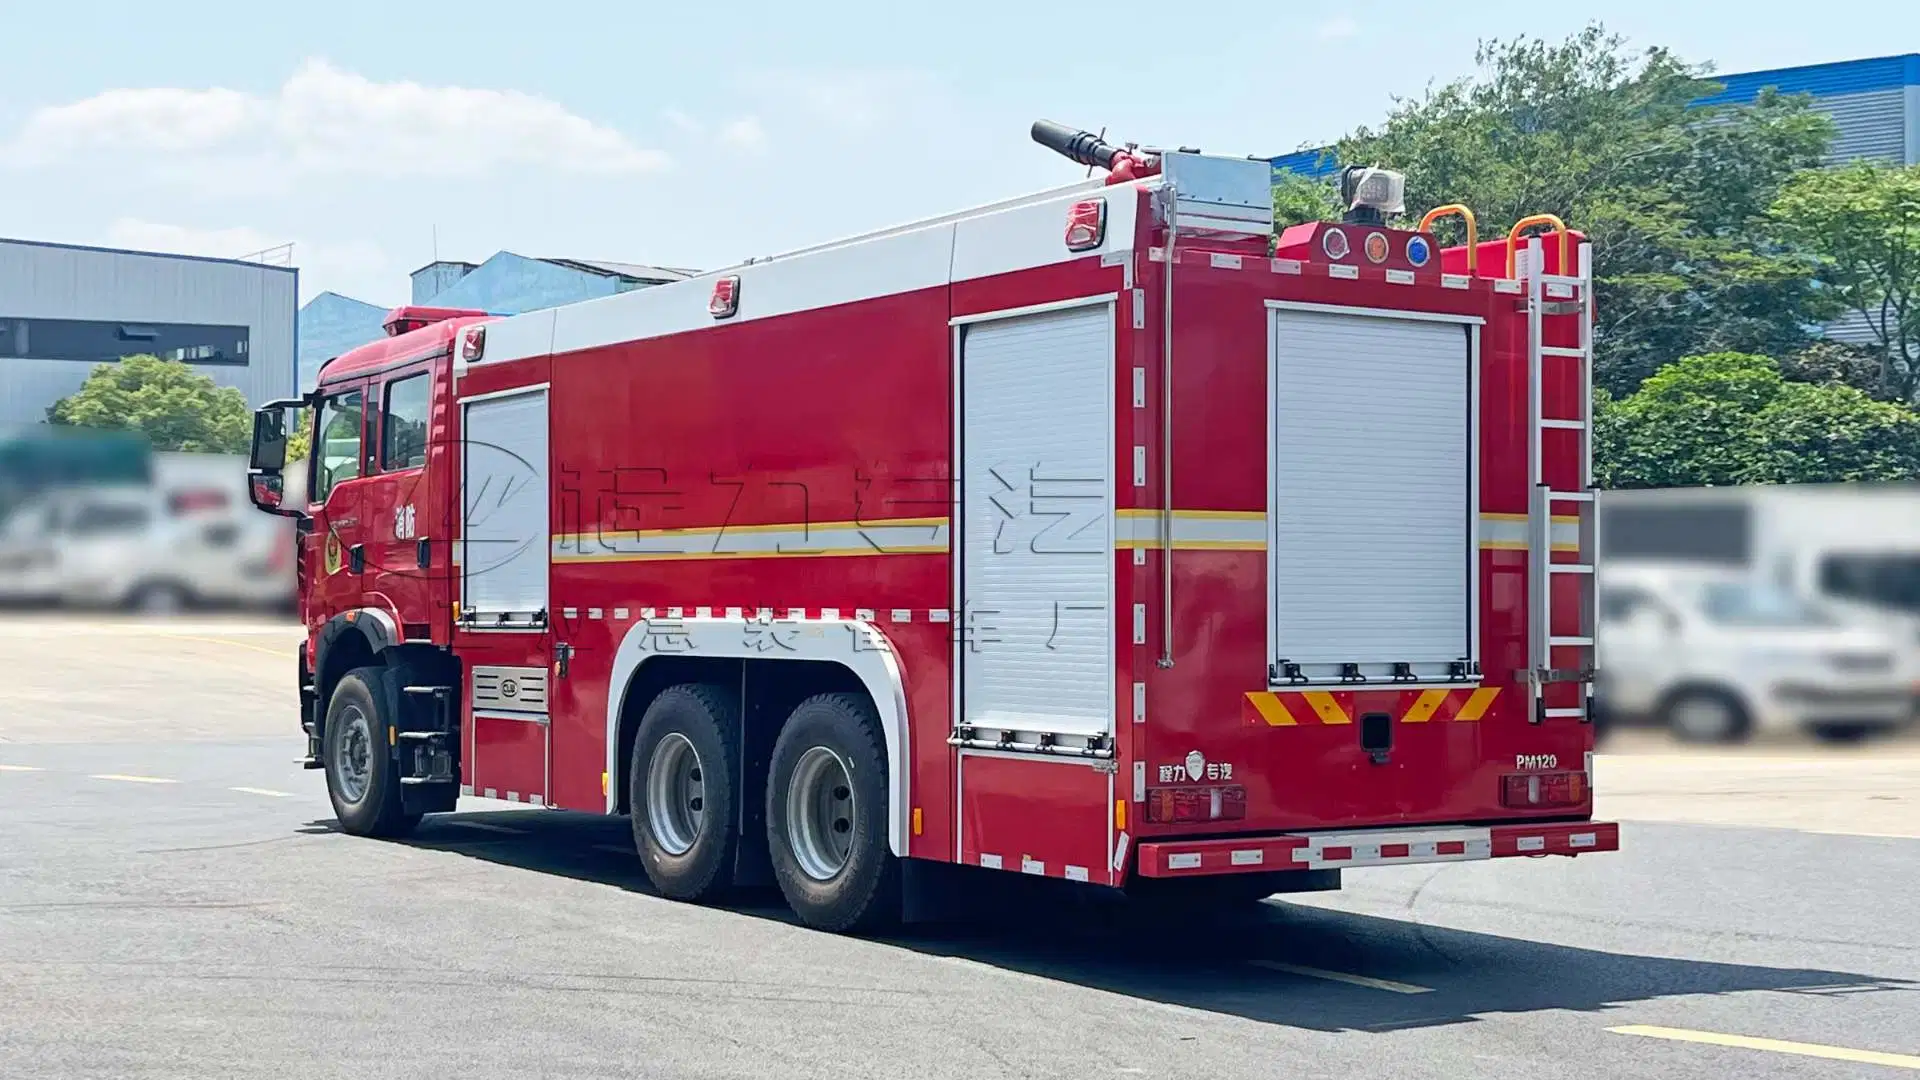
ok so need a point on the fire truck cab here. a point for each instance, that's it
(1099, 535)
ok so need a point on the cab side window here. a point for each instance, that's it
(403, 424)
(338, 456)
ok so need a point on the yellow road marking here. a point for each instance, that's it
(1777, 1046)
(133, 779)
(262, 791)
(1342, 977)
(1477, 704)
(236, 644)
(20, 768)
(1326, 708)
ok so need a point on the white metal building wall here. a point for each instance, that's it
(47, 281)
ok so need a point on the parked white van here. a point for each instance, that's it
(1718, 654)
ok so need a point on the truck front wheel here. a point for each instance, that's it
(362, 779)
(827, 816)
(681, 785)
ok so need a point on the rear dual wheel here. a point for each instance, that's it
(826, 808)
(827, 805)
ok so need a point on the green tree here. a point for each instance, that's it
(299, 436)
(1731, 418)
(1297, 199)
(1862, 222)
(1675, 197)
(174, 406)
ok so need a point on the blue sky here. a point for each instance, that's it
(703, 135)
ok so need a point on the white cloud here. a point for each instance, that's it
(345, 265)
(1337, 29)
(744, 134)
(326, 120)
(164, 120)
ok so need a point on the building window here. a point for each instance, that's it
(403, 424)
(100, 342)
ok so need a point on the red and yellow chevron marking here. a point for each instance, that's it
(1326, 707)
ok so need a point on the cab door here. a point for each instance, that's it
(406, 536)
(335, 551)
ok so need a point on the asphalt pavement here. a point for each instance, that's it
(176, 902)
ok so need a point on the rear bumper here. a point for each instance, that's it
(1371, 847)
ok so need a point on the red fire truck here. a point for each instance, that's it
(1099, 535)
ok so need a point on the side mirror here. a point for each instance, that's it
(268, 491)
(269, 454)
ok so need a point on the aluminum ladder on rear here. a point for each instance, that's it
(1559, 294)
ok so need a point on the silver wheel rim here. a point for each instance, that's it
(353, 754)
(676, 794)
(1703, 718)
(820, 813)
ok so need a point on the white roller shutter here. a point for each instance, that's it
(1036, 640)
(1371, 560)
(504, 506)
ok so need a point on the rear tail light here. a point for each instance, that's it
(1086, 224)
(475, 345)
(1167, 806)
(1526, 790)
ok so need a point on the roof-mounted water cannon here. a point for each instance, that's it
(1371, 195)
(1123, 163)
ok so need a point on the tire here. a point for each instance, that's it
(159, 598)
(681, 785)
(1844, 734)
(1705, 716)
(362, 778)
(829, 849)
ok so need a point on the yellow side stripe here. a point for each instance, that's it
(1477, 704)
(1428, 706)
(1326, 708)
(1272, 710)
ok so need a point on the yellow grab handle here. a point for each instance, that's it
(1513, 239)
(1473, 229)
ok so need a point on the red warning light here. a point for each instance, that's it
(726, 297)
(1087, 225)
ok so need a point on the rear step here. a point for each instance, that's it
(1371, 847)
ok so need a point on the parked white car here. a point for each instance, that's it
(1716, 655)
(146, 548)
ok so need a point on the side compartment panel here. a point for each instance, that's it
(1037, 816)
(510, 758)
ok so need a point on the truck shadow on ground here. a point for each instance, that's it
(1233, 965)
